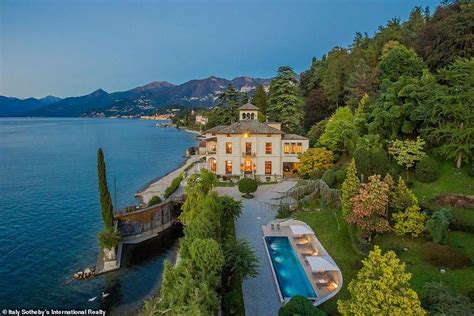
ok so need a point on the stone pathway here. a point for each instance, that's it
(260, 293)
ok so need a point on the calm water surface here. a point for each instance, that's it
(50, 211)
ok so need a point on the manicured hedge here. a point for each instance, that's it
(174, 185)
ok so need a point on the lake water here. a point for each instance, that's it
(50, 210)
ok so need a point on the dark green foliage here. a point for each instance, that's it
(301, 306)
(248, 186)
(361, 81)
(173, 186)
(105, 199)
(284, 211)
(427, 170)
(400, 61)
(448, 34)
(154, 200)
(444, 257)
(316, 131)
(439, 299)
(285, 102)
(438, 225)
(259, 99)
(109, 238)
(370, 161)
(340, 176)
(329, 177)
(334, 75)
(470, 170)
(225, 111)
(316, 108)
(240, 259)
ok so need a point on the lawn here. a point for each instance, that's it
(451, 180)
(339, 246)
(338, 243)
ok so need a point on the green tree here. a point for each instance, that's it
(335, 74)
(350, 188)
(105, 199)
(259, 99)
(154, 200)
(361, 81)
(207, 260)
(381, 288)
(369, 207)
(300, 305)
(448, 120)
(240, 260)
(402, 197)
(410, 221)
(447, 35)
(316, 108)
(316, 131)
(225, 110)
(411, 29)
(284, 101)
(439, 299)
(340, 133)
(400, 61)
(315, 159)
(248, 186)
(438, 225)
(407, 152)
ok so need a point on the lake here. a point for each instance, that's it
(50, 210)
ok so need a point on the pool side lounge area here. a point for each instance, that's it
(321, 270)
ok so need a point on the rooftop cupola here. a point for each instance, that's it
(248, 112)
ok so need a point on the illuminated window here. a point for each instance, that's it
(268, 148)
(268, 167)
(293, 148)
(213, 165)
(299, 148)
(248, 149)
(287, 148)
(228, 148)
(228, 167)
(212, 146)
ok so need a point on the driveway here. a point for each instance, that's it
(260, 293)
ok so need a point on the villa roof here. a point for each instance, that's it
(293, 137)
(215, 129)
(248, 126)
(248, 106)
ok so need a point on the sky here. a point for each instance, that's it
(69, 48)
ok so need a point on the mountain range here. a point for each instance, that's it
(142, 100)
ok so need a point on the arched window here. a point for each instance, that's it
(252, 116)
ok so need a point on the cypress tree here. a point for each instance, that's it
(105, 199)
(350, 188)
(259, 99)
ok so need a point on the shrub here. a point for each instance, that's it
(154, 200)
(329, 177)
(427, 170)
(340, 175)
(300, 305)
(284, 211)
(439, 299)
(248, 186)
(109, 238)
(174, 185)
(444, 257)
(438, 225)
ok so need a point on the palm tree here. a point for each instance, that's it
(240, 260)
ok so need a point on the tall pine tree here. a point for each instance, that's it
(259, 99)
(284, 100)
(105, 199)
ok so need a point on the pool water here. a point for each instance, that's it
(290, 274)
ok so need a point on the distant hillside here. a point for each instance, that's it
(137, 101)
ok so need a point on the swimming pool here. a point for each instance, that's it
(290, 274)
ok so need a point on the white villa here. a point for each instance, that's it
(252, 148)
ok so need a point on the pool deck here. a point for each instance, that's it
(323, 292)
(260, 293)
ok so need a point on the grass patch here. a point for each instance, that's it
(338, 244)
(451, 180)
(225, 184)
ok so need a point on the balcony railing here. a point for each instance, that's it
(248, 154)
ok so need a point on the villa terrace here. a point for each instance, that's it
(322, 272)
